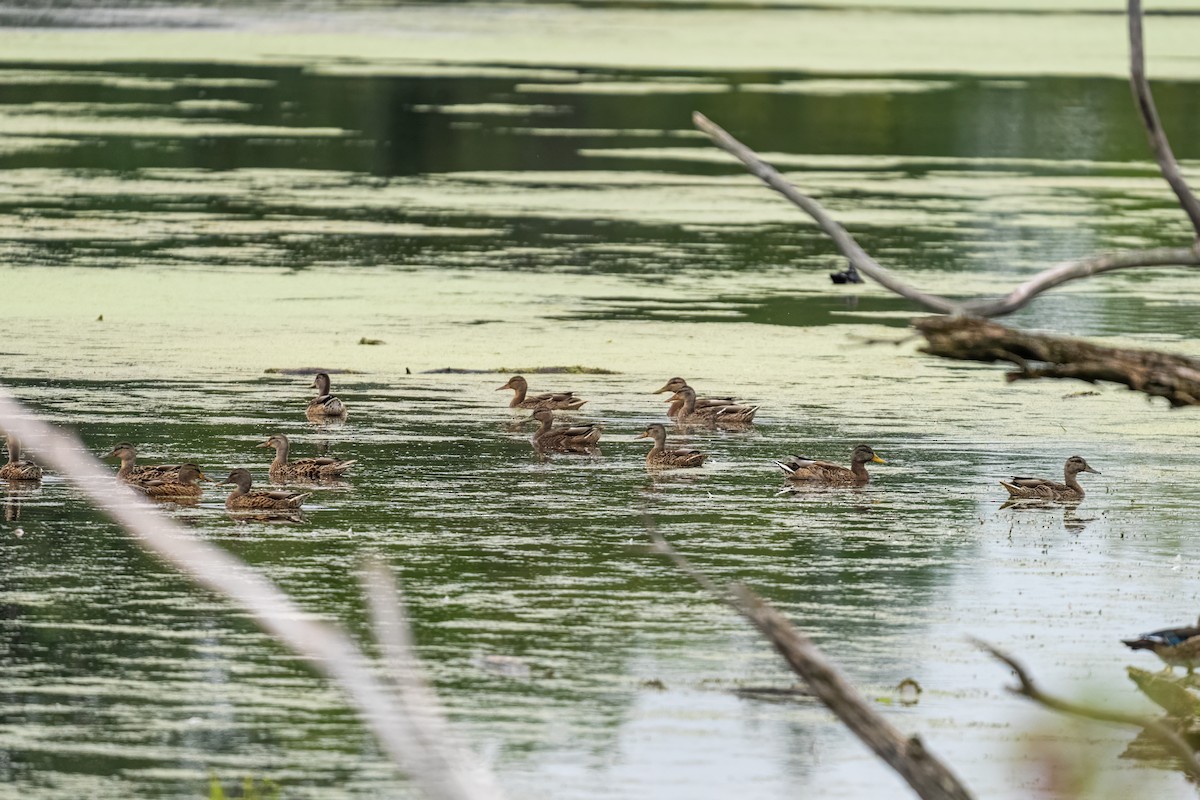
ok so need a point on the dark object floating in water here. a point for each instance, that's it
(849, 275)
(365, 340)
(1073, 395)
(575, 370)
(100, 318)
(773, 692)
(309, 371)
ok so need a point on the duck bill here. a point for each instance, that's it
(642, 435)
(267, 443)
(112, 454)
(878, 460)
(1093, 471)
(502, 388)
(664, 389)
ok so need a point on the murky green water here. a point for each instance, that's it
(512, 186)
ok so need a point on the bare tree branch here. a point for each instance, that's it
(924, 772)
(441, 775)
(1149, 114)
(981, 307)
(1174, 377)
(1027, 688)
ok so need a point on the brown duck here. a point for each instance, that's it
(321, 468)
(324, 405)
(133, 473)
(564, 438)
(660, 457)
(16, 469)
(1044, 489)
(560, 401)
(183, 486)
(675, 384)
(242, 499)
(728, 414)
(800, 471)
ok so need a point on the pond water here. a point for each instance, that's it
(193, 198)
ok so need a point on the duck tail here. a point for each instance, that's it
(1138, 644)
(788, 469)
(1013, 491)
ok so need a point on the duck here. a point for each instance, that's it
(565, 438)
(729, 415)
(324, 405)
(1177, 647)
(660, 457)
(801, 471)
(675, 384)
(1044, 489)
(183, 486)
(133, 473)
(242, 499)
(559, 401)
(16, 469)
(321, 468)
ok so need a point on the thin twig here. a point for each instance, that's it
(980, 307)
(1027, 688)
(1144, 101)
(924, 772)
(326, 646)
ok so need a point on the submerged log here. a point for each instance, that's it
(1037, 355)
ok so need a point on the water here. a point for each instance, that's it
(213, 193)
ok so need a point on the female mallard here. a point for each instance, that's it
(183, 486)
(1177, 647)
(565, 438)
(561, 401)
(242, 499)
(729, 414)
(807, 472)
(660, 457)
(132, 473)
(1045, 489)
(322, 468)
(324, 405)
(16, 469)
(675, 384)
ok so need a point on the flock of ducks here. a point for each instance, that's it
(181, 483)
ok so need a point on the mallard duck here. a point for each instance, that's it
(16, 469)
(1045, 489)
(183, 486)
(242, 499)
(802, 471)
(660, 457)
(324, 405)
(675, 384)
(1177, 647)
(133, 473)
(565, 438)
(560, 401)
(729, 414)
(305, 468)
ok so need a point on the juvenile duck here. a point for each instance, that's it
(1044, 489)
(322, 468)
(242, 499)
(1177, 647)
(729, 414)
(133, 473)
(808, 472)
(675, 384)
(16, 469)
(565, 438)
(660, 457)
(324, 405)
(183, 486)
(561, 401)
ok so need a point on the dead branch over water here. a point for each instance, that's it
(1174, 377)
(1156, 374)
(924, 772)
(408, 724)
(1026, 687)
(1144, 100)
